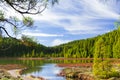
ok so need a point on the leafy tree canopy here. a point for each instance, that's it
(22, 7)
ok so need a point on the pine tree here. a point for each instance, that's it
(33, 53)
(116, 49)
(101, 67)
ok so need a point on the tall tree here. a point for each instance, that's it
(22, 7)
(99, 56)
(116, 49)
(100, 49)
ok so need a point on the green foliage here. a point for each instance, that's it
(103, 50)
(31, 7)
(28, 21)
(104, 46)
(33, 53)
(1, 40)
(105, 70)
(100, 49)
(20, 48)
(117, 24)
(16, 31)
(1, 15)
(101, 68)
(116, 49)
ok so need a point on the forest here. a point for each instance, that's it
(107, 43)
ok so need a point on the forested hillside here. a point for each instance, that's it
(21, 48)
(86, 48)
(107, 43)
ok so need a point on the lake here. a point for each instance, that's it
(47, 69)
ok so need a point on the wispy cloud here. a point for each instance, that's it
(99, 9)
(82, 15)
(74, 18)
(59, 41)
(41, 34)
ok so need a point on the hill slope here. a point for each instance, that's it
(84, 48)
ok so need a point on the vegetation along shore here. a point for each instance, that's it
(14, 71)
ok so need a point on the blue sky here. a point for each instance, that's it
(73, 20)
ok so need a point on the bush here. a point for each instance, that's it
(105, 70)
(114, 73)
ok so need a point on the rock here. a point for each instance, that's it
(70, 75)
(85, 77)
(40, 78)
(62, 73)
(4, 75)
(78, 73)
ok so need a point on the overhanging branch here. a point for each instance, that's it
(6, 32)
(27, 11)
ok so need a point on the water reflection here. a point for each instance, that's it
(43, 68)
(48, 71)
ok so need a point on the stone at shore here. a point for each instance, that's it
(13, 72)
(80, 73)
(14, 75)
(77, 73)
(4, 75)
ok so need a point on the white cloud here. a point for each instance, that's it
(82, 15)
(89, 32)
(59, 41)
(99, 9)
(41, 34)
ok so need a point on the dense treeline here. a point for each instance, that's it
(21, 48)
(107, 43)
(85, 48)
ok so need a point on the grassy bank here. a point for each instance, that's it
(86, 73)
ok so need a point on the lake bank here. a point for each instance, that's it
(77, 73)
(37, 67)
(54, 58)
(13, 72)
(48, 72)
(84, 72)
(11, 66)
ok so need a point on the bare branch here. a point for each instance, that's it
(29, 8)
(5, 31)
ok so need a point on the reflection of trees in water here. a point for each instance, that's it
(34, 65)
(71, 61)
(32, 69)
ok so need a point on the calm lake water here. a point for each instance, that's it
(47, 69)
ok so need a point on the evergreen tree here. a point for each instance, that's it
(99, 56)
(116, 49)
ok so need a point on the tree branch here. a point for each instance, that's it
(27, 10)
(6, 32)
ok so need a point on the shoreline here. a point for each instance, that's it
(14, 71)
(17, 73)
(75, 65)
(52, 58)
